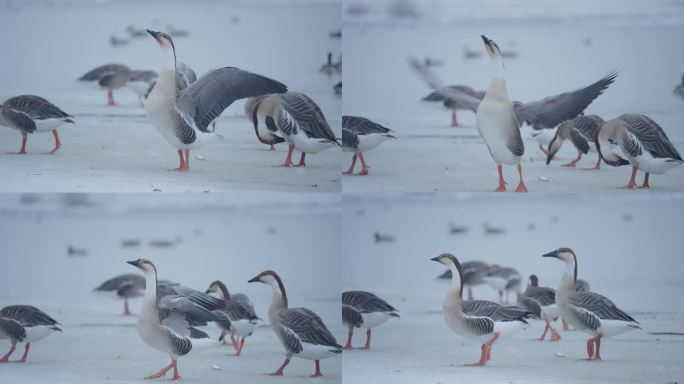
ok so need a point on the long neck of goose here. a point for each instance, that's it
(170, 58)
(567, 283)
(453, 299)
(151, 286)
(279, 300)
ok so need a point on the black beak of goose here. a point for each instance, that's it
(551, 254)
(135, 263)
(435, 259)
(154, 34)
(254, 279)
(487, 41)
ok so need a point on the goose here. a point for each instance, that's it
(169, 315)
(126, 286)
(582, 132)
(373, 310)
(588, 312)
(24, 324)
(329, 68)
(109, 77)
(300, 121)
(360, 135)
(541, 301)
(140, 82)
(503, 279)
(483, 321)
(642, 141)
(240, 311)
(183, 116)
(264, 136)
(679, 89)
(473, 274)
(497, 123)
(301, 332)
(29, 114)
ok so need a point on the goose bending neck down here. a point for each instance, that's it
(497, 122)
(301, 332)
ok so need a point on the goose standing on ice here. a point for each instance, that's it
(642, 141)
(373, 310)
(497, 123)
(360, 135)
(588, 312)
(126, 286)
(169, 315)
(300, 121)
(183, 117)
(109, 77)
(264, 136)
(301, 331)
(483, 321)
(140, 82)
(503, 279)
(29, 114)
(24, 323)
(541, 301)
(240, 311)
(582, 134)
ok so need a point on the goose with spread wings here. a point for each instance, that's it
(183, 116)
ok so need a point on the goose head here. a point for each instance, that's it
(144, 265)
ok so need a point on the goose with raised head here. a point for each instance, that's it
(24, 323)
(126, 286)
(29, 113)
(373, 310)
(240, 311)
(581, 131)
(360, 135)
(183, 117)
(497, 122)
(265, 136)
(301, 332)
(109, 77)
(588, 312)
(169, 315)
(541, 301)
(300, 121)
(642, 141)
(483, 321)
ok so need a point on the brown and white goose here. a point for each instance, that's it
(372, 309)
(109, 77)
(541, 301)
(24, 323)
(240, 311)
(301, 332)
(265, 136)
(581, 131)
(126, 286)
(588, 312)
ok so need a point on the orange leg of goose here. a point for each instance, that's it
(279, 372)
(239, 349)
(58, 144)
(632, 180)
(573, 163)
(546, 329)
(233, 339)
(368, 339)
(184, 161)
(126, 311)
(272, 148)
(5, 358)
(163, 371)
(645, 185)
(288, 160)
(318, 369)
(349, 339)
(22, 150)
(302, 163)
(486, 352)
(364, 167)
(110, 98)
(555, 336)
(521, 185)
(25, 355)
(502, 182)
(590, 348)
(597, 342)
(350, 171)
(454, 120)
(597, 166)
(566, 326)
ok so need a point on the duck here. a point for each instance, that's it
(300, 121)
(125, 286)
(25, 324)
(183, 116)
(264, 136)
(169, 316)
(581, 131)
(588, 312)
(542, 302)
(483, 321)
(373, 310)
(301, 331)
(642, 141)
(110, 77)
(360, 135)
(240, 311)
(497, 123)
(30, 113)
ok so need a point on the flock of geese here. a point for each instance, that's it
(171, 314)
